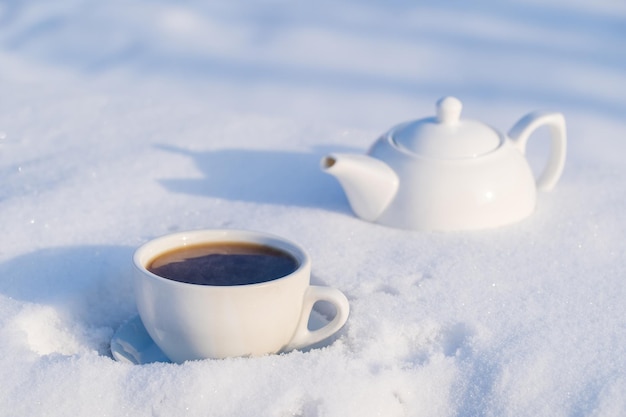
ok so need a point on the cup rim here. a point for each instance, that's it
(154, 247)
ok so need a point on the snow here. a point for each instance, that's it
(123, 121)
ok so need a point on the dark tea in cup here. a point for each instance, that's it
(224, 263)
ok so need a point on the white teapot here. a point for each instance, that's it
(448, 173)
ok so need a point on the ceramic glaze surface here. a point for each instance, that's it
(445, 173)
(488, 200)
(445, 135)
(190, 321)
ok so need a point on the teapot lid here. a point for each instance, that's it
(446, 135)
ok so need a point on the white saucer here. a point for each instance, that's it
(132, 344)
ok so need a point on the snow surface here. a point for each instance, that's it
(122, 121)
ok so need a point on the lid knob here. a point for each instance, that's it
(449, 110)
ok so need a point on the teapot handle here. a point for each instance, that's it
(524, 129)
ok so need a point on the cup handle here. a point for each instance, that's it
(556, 122)
(305, 337)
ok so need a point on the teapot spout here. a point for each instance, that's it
(369, 183)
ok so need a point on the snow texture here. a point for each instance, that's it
(123, 121)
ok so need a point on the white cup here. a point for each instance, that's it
(191, 321)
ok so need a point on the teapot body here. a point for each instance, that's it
(448, 173)
(484, 191)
